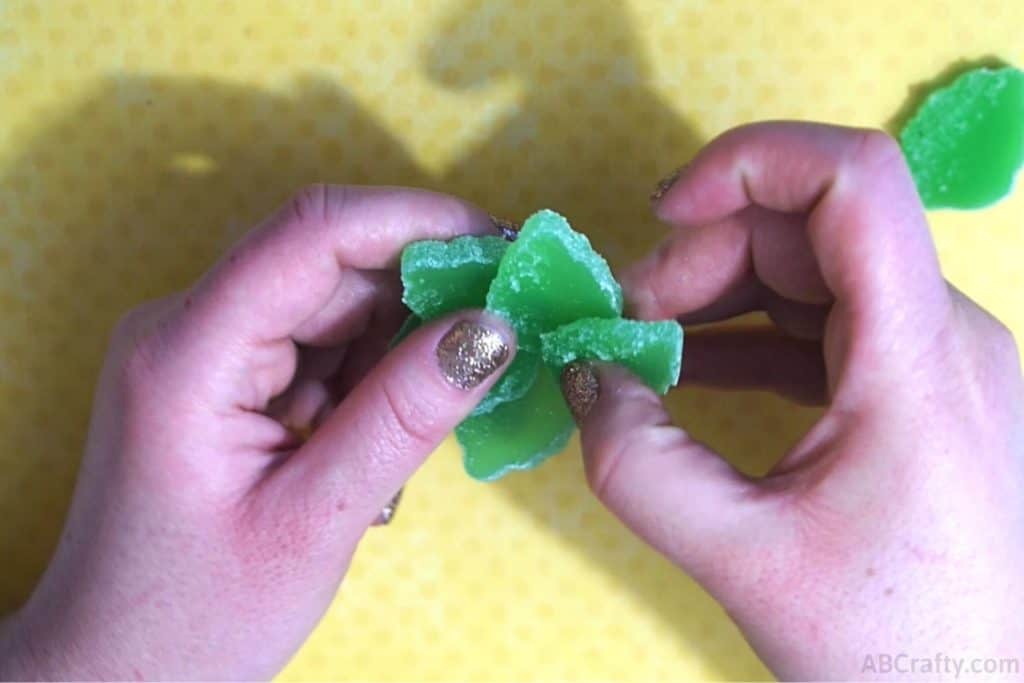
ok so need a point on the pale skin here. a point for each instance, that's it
(205, 539)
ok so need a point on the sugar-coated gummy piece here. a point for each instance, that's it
(409, 325)
(965, 143)
(551, 276)
(517, 435)
(514, 383)
(443, 277)
(548, 277)
(653, 351)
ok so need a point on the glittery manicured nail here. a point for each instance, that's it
(666, 183)
(387, 513)
(581, 388)
(470, 352)
(507, 229)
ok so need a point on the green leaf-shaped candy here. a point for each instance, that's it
(519, 434)
(551, 276)
(653, 351)
(965, 143)
(443, 277)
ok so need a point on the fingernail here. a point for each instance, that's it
(507, 229)
(666, 183)
(387, 513)
(580, 387)
(470, 352)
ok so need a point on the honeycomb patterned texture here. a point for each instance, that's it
(138, 138)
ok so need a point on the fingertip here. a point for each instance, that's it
(402, 410)
(580, 388)
(671, 490)
(472, 348)
(594, 390)
(641, 301)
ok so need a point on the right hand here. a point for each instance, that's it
(896, 524)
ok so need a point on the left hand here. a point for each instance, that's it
(206, 539)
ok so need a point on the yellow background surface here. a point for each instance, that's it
(138, 138)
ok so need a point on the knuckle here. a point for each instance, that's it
(130, 324)
(136, 344)
(138, 361)
(604, 463)
(875, 149)
(315, 202)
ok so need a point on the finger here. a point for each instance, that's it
(692, 270)
(865, 223)
(326, 374)
(756, 359)
(308, 395)
(675, 493)
(375, 439)
(346, 315)
(366, 351)
(715, 265)
(287, 270)
(782, 255)
(292, 276)
(744, 298)
(800, 320)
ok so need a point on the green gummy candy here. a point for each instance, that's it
(542, 283)
(514, 383)
(551, 276)
(519, 434)
(965, 143)
(443, 277)
(653, 351)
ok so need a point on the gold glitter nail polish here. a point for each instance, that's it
(580, 387)
(387, 513)
(666, 183)
(469, 353)
(507, 229)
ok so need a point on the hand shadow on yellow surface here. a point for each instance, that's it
(176, 169)
(589, 138)
(184, 165)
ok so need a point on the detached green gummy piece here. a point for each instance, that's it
(443, 277)
(965, 143)
(653, 351)
(517, 435)
(551, 276)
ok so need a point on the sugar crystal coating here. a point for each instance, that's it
(443, 277)
(965, 143)
(653, 351)
(551, 276)
(559, 296)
